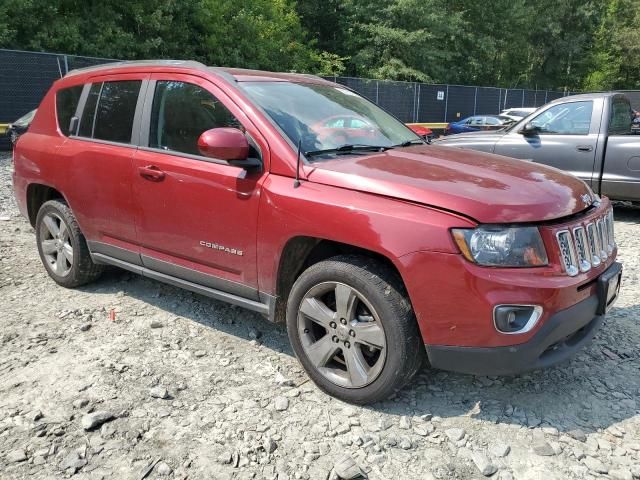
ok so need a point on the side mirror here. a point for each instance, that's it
(228, 144)
(529, 129)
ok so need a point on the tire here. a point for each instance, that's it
(65, 257)
(374, 298)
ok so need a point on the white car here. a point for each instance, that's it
(518, 113)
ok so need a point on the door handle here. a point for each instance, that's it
(584, 148)
(152, 173)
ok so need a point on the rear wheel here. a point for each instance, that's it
(352, 328)
(62, 247)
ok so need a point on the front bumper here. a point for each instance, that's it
(560, 337)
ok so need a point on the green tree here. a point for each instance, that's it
(615, 58)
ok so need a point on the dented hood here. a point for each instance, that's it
(488, 188)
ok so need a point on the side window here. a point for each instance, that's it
(491, 121)
(89, 112)
(565, 119)
(66, 104)
(477, 121)
(116, 108)
(622, 117)
(109, 111)
(181, 112)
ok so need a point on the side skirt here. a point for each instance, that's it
(266, 305)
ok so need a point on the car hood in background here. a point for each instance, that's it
(480, 135)
(488, 188)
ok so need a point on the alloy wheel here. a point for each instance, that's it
(342, 334)
(55, 242)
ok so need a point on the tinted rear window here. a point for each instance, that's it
(109, 111)
(116, 107)
(66, 104)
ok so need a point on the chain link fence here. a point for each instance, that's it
(433, 103)
(26, 76)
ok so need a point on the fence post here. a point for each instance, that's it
(417, 119)
(522, 98)
(546, 93)
(377, 90)
(475, 101)
(66, 65)
(446, 103)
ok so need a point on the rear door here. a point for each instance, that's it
(198, 220)
(621, 170)
(99, 163)
(567, 138)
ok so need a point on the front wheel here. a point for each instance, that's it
(352, 327)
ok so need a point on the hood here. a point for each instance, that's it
(488, 188)
(461, 138)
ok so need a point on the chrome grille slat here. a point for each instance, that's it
(603, 241)
(567, 252)
(582, 250)
(586, 245)
(594, 244)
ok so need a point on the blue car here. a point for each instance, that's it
(478, 122)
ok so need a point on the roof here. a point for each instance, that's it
(232, 74)
(586, 96)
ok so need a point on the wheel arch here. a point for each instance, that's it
(37, 194)
(301, 252)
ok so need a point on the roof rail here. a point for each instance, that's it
(138, 63)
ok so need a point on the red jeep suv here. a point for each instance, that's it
(297, 198)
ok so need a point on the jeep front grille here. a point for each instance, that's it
(584, 246)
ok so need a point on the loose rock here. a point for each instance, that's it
(95, 419)
(484, 464)
(347, 469)
(16, 456)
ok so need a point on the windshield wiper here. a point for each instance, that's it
(411, 142)
(348, 148)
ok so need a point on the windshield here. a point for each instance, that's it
(325, 117)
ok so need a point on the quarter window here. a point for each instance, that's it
(565, 119)
(66, 104)
(109, 111)
(181, 112)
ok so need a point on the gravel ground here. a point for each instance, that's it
(181, 386)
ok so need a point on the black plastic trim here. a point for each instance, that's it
(115, 252)
(200, 278)
(266, 306)
(566, 332)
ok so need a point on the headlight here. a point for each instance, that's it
(502, 247)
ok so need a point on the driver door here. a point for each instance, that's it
(197, 216)
(566, 138)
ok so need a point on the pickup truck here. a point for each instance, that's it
(301, 200)
(590, 136)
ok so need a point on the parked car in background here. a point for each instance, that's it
(424, 132)
(477, 123)
(20, 126)
(518, 113)
(590, 136)
(233, 183)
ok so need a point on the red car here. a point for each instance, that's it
(422, 131)
(378, 253)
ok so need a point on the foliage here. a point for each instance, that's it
(572, 44)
